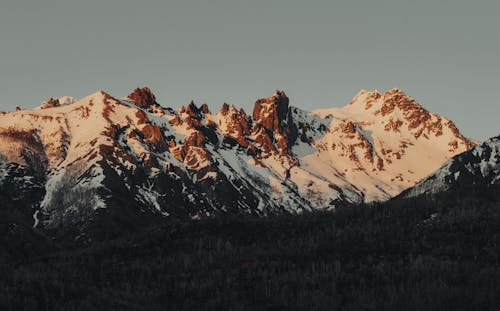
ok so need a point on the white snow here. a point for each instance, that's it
(212, 175)
(488, 167)
(35, 218)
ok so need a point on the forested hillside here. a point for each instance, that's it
(425, 253)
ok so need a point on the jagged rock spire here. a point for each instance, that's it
(271, 111)
(273, 114)
(143, 97)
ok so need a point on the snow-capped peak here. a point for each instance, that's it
(391, 140)
(193, 162)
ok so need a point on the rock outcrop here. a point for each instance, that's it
(143, 97)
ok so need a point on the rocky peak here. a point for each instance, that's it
(366, 99)
(204, 108)
(385, 103)
(273, 115)
(397, 98)
(143, 97)
(271, 111)
(50, 103)
(224, 109)
(238, 124)
(193, 111)
(419, 121)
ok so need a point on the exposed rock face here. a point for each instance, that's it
(270, 112)
(50, 103)
(224, 109)
(154, 136)
(238, 125)
(273, 115)
(204, 108)
(24, 146)
(143, 97)
(193, 111)
(106, 160)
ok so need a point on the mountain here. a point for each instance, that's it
(477, 167)
(20, 194)
(385, 143)
(108, 164)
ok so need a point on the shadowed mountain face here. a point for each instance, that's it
(478, 167)
(103, 164)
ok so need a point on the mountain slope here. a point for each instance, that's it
(391, 139)
(477, 167)
(123, 162)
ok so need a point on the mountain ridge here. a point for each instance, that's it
(131, 156)
(477, 167)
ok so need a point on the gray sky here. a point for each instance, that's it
(445, 54)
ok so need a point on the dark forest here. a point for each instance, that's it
(436, 252)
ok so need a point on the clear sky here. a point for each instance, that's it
(444, 53)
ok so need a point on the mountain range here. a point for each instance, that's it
(105, 163)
